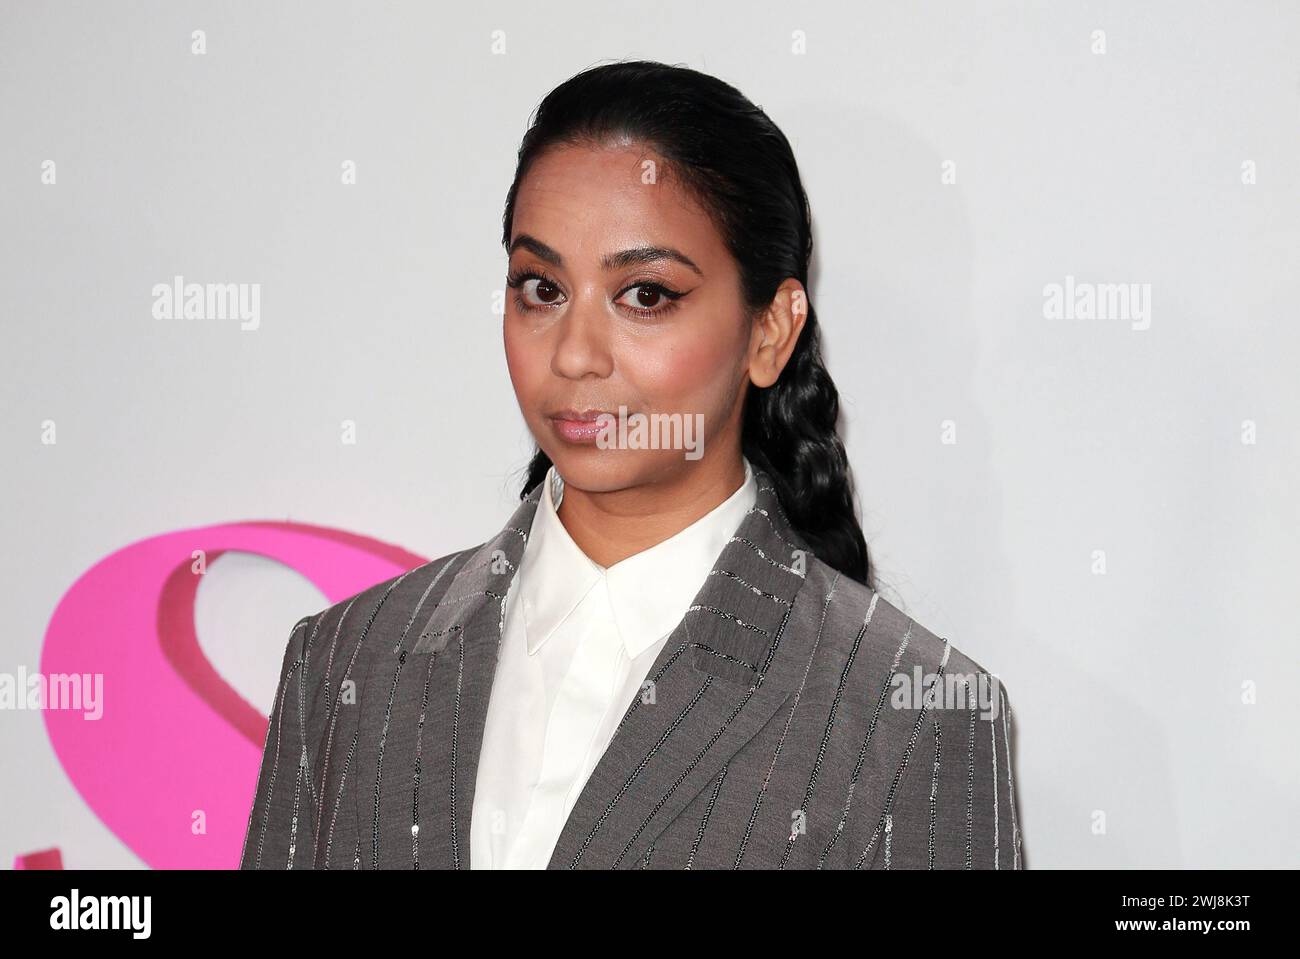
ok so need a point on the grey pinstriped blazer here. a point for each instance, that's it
(771, 732)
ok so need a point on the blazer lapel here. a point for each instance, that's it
(463, 636)
(717, 681)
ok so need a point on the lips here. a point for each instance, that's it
(579, 416)
(581, 426)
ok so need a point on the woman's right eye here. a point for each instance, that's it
(535, 291)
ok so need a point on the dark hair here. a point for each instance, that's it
(734, 160)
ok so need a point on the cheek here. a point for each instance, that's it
(684, 373)
(522, 362)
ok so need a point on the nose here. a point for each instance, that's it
(582, 346)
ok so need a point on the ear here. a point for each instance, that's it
(776, 331)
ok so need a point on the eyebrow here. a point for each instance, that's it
(611, 261)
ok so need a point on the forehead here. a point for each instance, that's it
(587, 201)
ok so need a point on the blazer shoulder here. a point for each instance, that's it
(934, 726)
(406, 594)
(863, 623)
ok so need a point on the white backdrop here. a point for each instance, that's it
(958, 163)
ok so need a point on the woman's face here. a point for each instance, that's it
(622, 294)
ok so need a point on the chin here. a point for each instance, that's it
(595, 470)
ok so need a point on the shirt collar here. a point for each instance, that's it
(648, 592)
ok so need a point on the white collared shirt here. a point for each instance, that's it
(578, 640)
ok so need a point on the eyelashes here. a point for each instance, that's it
(516, 279)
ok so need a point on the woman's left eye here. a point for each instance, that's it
(650, 299)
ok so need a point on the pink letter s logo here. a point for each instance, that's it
(174, 736)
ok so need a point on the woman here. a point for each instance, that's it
(673, 654)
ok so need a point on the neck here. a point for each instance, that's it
(611, 526)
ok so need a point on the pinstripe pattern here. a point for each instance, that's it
(775, 703)
(887, 814)
(704, 823)
(970, 791)
(812, 780)
(290, 669)
(1011, 782)
(934, 796)
(993, 756)
(866, 742)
